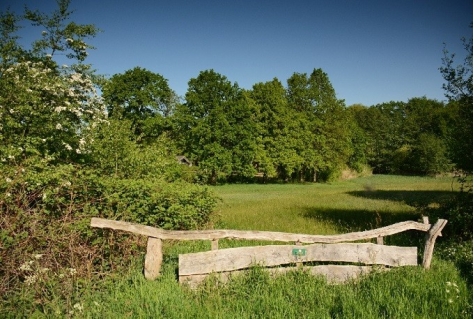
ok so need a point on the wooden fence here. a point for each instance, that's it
(195, 267)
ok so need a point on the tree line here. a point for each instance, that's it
(298, 132)
(293, 131)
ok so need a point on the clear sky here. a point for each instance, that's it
(373, 51)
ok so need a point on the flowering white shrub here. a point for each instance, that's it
(46, 111)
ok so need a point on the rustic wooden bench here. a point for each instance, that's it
(353, 257)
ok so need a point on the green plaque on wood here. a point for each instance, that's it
(298, 252)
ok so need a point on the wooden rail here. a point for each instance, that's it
(331, 248)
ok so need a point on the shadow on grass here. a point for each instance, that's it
(346, 221)
(357, 220)
(413, 198)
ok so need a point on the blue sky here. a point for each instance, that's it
(373, 51)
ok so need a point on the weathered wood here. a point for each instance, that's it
(335, 274)
(434, 232)
(153, 258)
(425, 219)
(195, 267)
(275, 255)
(380, 240)
(258, 235)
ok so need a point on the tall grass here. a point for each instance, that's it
(352, 205)
(406, 292)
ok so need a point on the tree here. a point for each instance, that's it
(328, 140)
(458, 89)
(46, 110)
(359, 140)
(140, 95)
(60, 36)
(274, 130)
(215, 127)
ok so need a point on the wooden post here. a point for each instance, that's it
(153, 258)
(431, 235)
(380, 240)
(215, 244)
(425, 220)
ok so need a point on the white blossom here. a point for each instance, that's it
(78, 306)
(26, 266)
(29, 280)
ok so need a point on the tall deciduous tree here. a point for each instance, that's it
(458, 89)
(138, 94)
(215, 127)
(325, 126)
(275, 130)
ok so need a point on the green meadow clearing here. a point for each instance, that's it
(351, 205)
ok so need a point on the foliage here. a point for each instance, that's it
(47, 209)
(44, 113)
(458, 89)
(62, 162)
(45, 108)
(274, 129)
(215, 128)
(407, 138)
(138, 95)
(59, 36)
(116, 152)
(326, 129)
(164, 205)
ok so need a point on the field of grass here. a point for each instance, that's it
(351, 205)
(369, 202)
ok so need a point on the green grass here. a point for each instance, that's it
(406, 292)
(338, 207)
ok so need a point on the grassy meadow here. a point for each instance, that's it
(351, 205)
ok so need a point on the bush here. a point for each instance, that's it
(155, 203)
(458, 211)
(461, 255)
(46, 210)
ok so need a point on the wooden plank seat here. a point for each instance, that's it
(352, 258)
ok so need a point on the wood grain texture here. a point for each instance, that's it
(431, 236)
(334, 274)
(275, 255)
(258, 235)
(153, 258)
